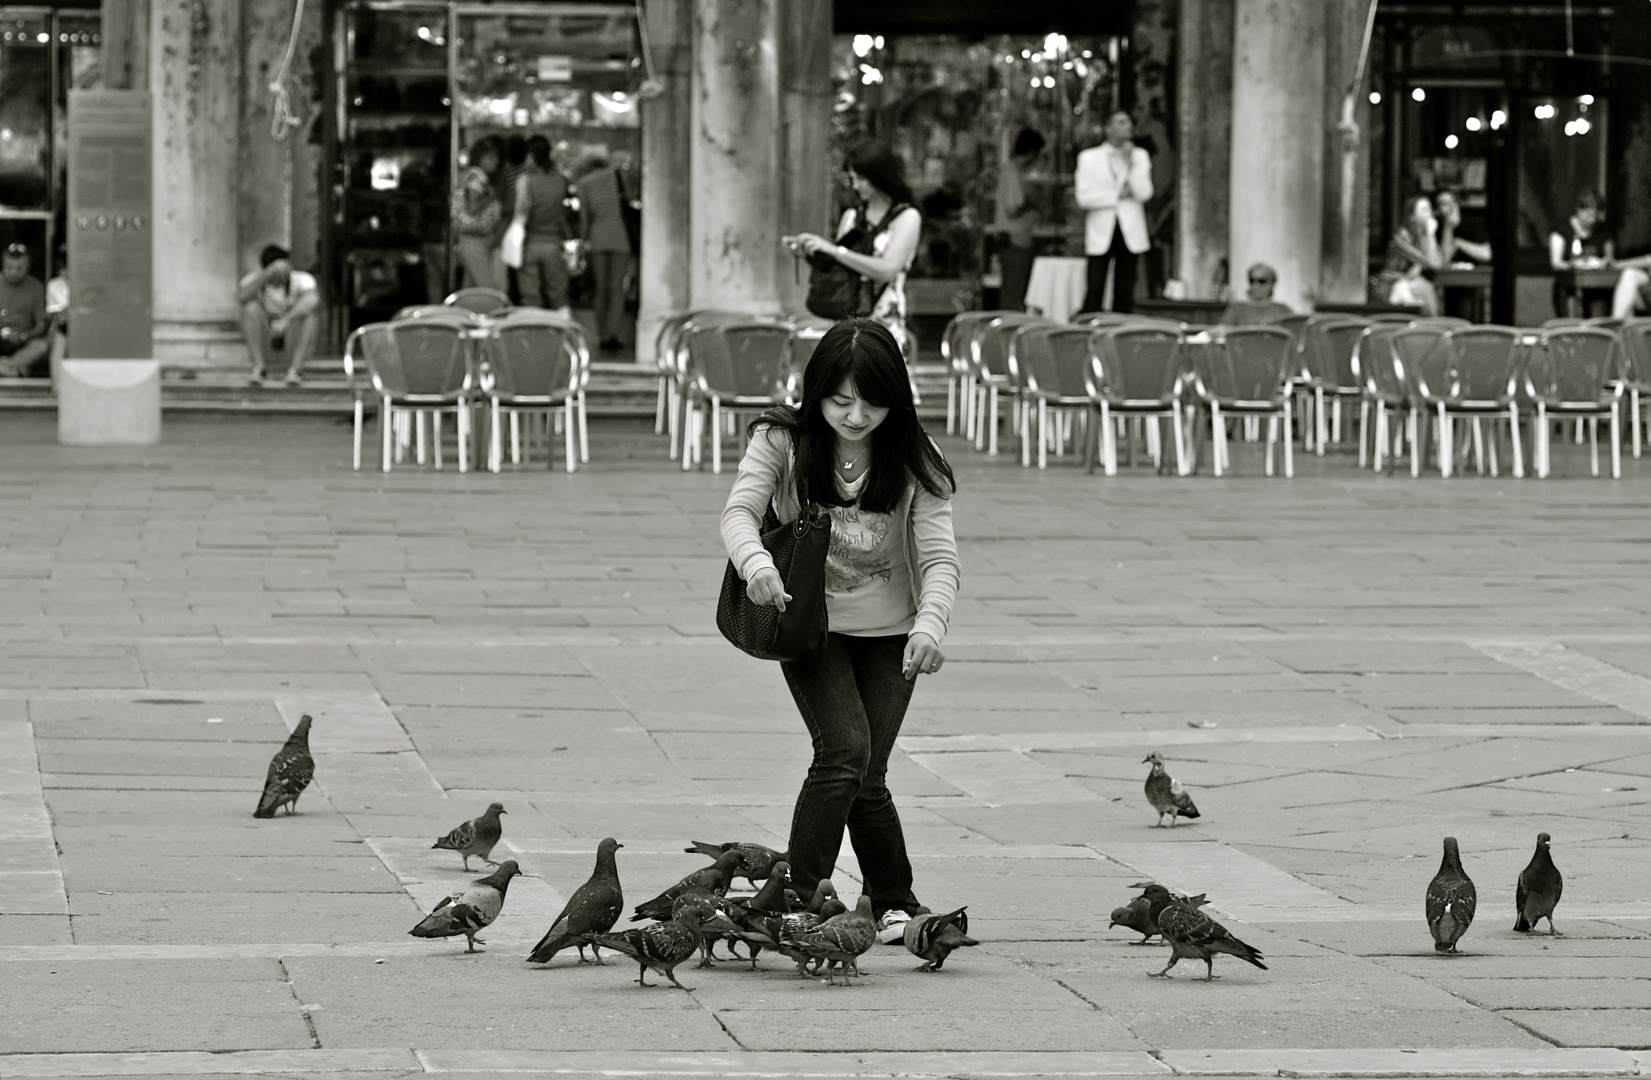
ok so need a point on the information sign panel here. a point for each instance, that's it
(110, 225)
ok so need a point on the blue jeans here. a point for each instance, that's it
(853, 699)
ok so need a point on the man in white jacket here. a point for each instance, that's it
(1114, 182)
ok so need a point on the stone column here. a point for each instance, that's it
(805, 108)
(1204, 78)
(194, 75)
(735, 197)
(1278, 143)
(1345, 271)
(666, 135)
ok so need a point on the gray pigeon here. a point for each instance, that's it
(290, 772)
(715, 877)
(661, 946)
(1137, 914)
(705, 906)
(1165, 793)
(839, 941)
(769, 901)
(592, 909)
(1451, 900)
(1193, 935)
(476, 836)
(469, 911)
(1537, 893)
(756, 861)
(933, 937)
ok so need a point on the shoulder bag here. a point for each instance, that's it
(799, 551)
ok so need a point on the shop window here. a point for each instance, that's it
(951, 107)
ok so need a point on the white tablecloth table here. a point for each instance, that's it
(1057, 286)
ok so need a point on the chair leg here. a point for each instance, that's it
(461, 423)
(1183, 467)
(1593, 444)
(1417, 430)
(716, 435)
(1634, 420)
(435, 439)
(1289, 443)
(1364, 432)
(1108, 436)
(1218, 439)
(991, 420)
(495, 442)
(584, 431)
(386, 430)
(1379, 442)
(1478, 445)
(1024, 423)
(690, 437)
(1490, 446)
(1320, 427)
(673, 424)
(1513, 432)
(359, 418)
(569, 434)
(951, 405)
(659, 407)
(1043, 429)
(1446, 438)
(1616, 443)
(418, 436)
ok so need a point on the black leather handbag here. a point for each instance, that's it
(799, 551)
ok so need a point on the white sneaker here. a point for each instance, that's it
(891, 928)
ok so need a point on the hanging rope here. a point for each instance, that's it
(282, 121)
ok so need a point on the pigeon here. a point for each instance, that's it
(714, 877)
(1193, 935)
(1166, 794)
(476, 836)
(592, 909)
(839, 941)
(661, 946)
(1537, 893)
(705, 906)
(769, 931)
(756, 861)
(471, 910)
(933, 937)
(1137, 914)
(770, 900)
(290, 772)
(1451, 900)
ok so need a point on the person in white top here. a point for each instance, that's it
(280, 314)
(1114, 182)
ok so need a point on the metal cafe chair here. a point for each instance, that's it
(535, 363)
(1136, 372)
(1052, 363)
(361, 340)
(1380, 389)
(1246, 372)
(671, 358)
(1327, 343)
(426, 365)
(955, 353)
(1636, 357)
(479, 299)
(1473, 373)
(1576, 373)
(737, 368)
(1411, 345)
(989, 363)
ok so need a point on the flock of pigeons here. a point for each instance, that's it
(824, 935)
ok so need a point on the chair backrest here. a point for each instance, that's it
(1412, 345)
(954, 341)
(1606, 322)
(1575, 365)
(361, 339)
(541, 359)
(1136, 365)
(1054, 359)
(1479, 365)
(1563, 320)
(421, 358)
(740, 360)
(1295, 322)
(1373, 363)
(1102, 318)
(1444, 322)
(1402, 318)
(668, 345)
(1248, 365)
(479, 299)
(439, 311)
(989, 345)
(1327, 344)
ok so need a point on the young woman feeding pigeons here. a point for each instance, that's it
(855, 447)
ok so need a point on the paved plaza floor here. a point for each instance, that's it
(1342, 668)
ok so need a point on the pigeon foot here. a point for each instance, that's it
(1159, 974)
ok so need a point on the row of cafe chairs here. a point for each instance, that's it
(435, 359)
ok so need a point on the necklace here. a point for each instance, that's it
(850, 463)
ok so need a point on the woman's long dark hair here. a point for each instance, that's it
(863, 353)
(878, 163)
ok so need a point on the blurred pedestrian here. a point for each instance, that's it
(1017, 216)
(1583, 242)
(878, 238)
(1412, 254)
(280, 314)
(855, 448)
(478, 217)
(607, 244)
(1114, 182)
(540, 201)
(23, 322)
(1460, 238)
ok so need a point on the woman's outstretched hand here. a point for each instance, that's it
(766, 587)
(923, 656)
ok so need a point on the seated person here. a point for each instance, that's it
(1258, 305)
(23, 324)
(280, 313)
(1632, 295)
(1583, 243)
(1412, 254)
(1459, 241)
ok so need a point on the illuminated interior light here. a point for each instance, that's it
(1473, 123)
(1418, 94)
(1375, 97)
(862, 45)
(1497, 119)
(1451, 142)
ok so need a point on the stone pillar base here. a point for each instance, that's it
(109, 402)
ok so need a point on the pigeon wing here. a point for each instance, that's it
(1181, 800)
(1201, 935)
(460, 838)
